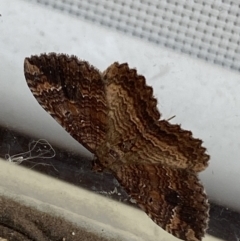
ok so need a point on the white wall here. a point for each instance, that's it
(205, 98)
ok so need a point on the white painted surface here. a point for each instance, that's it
(205, 98)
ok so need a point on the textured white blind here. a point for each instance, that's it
(205, 29)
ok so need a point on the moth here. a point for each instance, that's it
(114, 115)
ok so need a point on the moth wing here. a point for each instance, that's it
(134, 124)
(173, 198)
(72, 92)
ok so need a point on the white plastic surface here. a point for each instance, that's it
(205, 98)
(88, 210)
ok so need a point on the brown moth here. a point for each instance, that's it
(115, 116)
